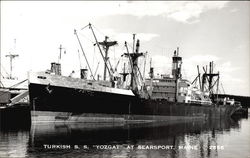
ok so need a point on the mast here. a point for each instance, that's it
(131, 64)
(199, 76)
(12, 56)
(133, 43)
(151, 75)
(204, 79)
(217, 90)
(105, 62)
(144, 67)
(133, 58)
(0, 69)
(151, 71)
(106, 46)
(208, 78)
(60, 55)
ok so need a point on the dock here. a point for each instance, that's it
(14, 108)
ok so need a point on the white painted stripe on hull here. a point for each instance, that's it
(46, 116)
(77, 83)
(67, 117)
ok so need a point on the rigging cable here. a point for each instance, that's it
(85, 27)
(109, 38)
(98, 30)
(5, 72)
(84, 54)
(87, 38)
(15, 85)
(90, 26)
(79, 59)
(222, 88)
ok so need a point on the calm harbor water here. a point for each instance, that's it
(199, 139)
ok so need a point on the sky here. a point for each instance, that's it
(204, 31)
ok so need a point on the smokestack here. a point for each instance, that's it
(56, 68)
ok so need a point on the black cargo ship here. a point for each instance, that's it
(56, 98)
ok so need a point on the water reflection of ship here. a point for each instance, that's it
(54, 97)
(132, 134)
(14, 142)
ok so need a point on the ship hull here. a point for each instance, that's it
(54, 101)
(63, 99)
